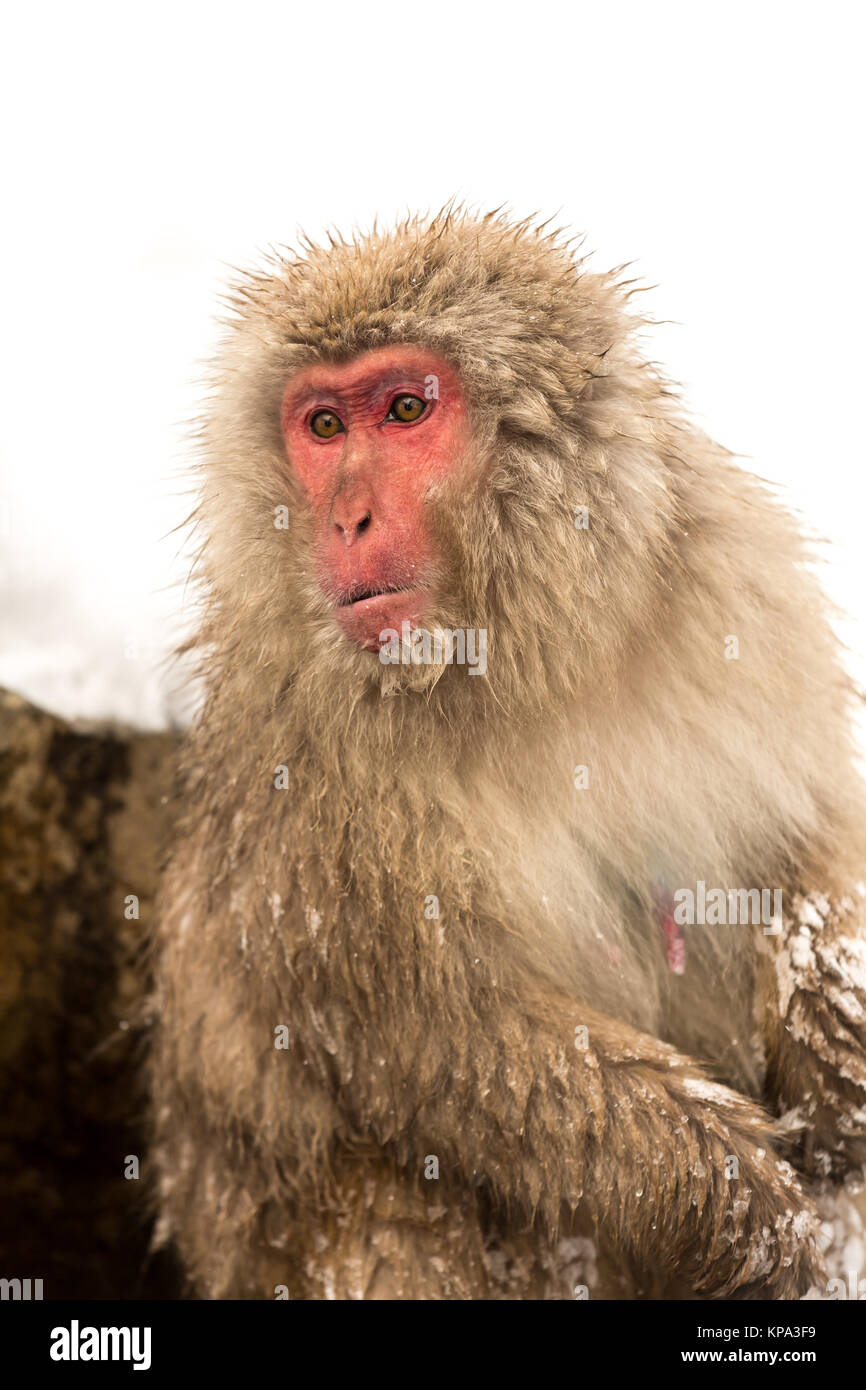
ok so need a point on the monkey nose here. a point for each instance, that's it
(351, 521)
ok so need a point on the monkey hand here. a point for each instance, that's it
(817, 1034)
(718, 1208)
(679, 1175)
(743, 1227)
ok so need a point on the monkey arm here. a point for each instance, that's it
(813, 992)
(680, 1171)
(678, 1174)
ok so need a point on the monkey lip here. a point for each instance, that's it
(365, 613)
(366, 594)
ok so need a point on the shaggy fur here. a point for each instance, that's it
(411, 1037)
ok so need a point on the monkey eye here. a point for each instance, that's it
(325, 424)
(408, 409)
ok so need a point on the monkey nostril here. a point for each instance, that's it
(351, 531)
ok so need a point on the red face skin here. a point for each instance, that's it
(367, 485)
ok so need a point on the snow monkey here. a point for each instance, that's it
(512, 929)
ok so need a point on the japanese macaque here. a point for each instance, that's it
(436, 1013)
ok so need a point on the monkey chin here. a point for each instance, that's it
(367, 622)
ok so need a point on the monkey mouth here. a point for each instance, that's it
(367, 612)
(361, 593)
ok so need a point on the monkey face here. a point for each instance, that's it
(369, 441)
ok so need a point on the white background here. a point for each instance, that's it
(148, 148)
